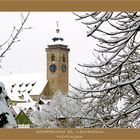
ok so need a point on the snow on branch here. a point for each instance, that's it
(112, 70)
(116, 69)
(119, 84)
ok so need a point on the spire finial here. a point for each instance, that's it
(57, 24)
(57, 29)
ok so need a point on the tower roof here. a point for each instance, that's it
(57, 37)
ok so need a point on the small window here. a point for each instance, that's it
(53, 57)
(64, 59)
(52, 81)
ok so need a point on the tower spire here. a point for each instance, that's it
(57, 24)
(57, 29)
(57, 37)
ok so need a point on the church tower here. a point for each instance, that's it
(57, 65)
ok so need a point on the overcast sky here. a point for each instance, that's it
(29, 56)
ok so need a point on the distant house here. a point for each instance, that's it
(23, 120)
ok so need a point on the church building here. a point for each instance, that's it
(57, 62)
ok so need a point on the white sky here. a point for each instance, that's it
(29, 55)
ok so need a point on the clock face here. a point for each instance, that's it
(53, 68)
(64, 68)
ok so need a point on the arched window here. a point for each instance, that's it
(64, 59)
(53, 57)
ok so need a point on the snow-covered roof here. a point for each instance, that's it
(57, 38)
(24, 107)
(20, 86)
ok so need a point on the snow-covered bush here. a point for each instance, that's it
(6, 117)
(60, 111)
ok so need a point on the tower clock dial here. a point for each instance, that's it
(64, 68)
(53, 68)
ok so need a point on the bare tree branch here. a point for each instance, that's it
(14, 36)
